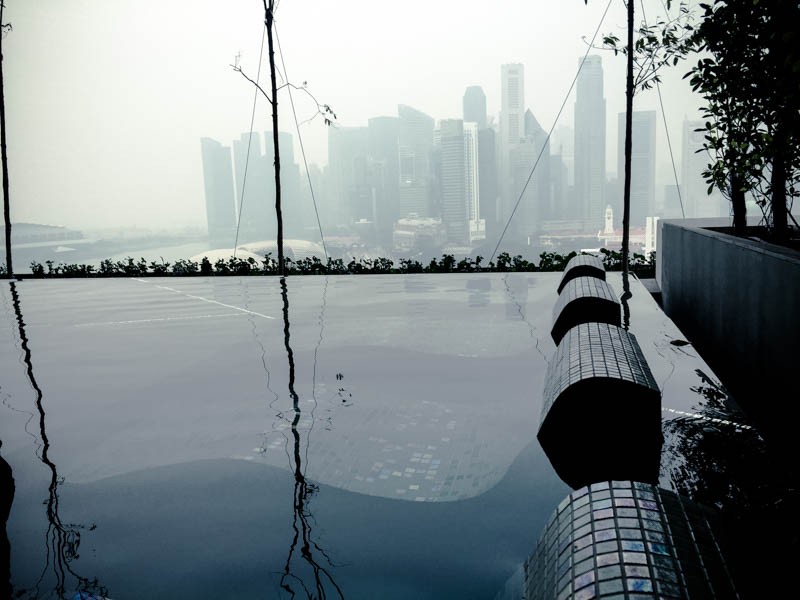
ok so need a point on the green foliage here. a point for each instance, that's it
(750, 81)
(662, 43)
(548, 262)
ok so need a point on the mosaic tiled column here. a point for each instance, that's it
(583, 265)
(626, 540)
(584, 300)
(601, 416)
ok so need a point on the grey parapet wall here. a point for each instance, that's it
(584, 300)
(630, 540)
(601, 414)
(583, 265)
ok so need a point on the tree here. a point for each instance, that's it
(751, 85)
(272, 98)
(3, 153)
(664, 42)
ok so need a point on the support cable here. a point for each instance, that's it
(302, 147)
(249, 142)
(549, 133)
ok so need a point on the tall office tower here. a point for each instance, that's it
(347, 162)
(537, 136)
(415, 144)
(562, 142)
(255, 189)
(526, 217)
(477, 225)
(487, 179)
(475, 106)
(694, 190)
(455, 211)
(512, 128)
(218, 185)
(298, 210)
(382, 137)
(590, 144)
(643, 165)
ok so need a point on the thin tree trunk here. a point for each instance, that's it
(780, 223)
(738, 205)
(4, 156)
(278, 212)
(626, 200)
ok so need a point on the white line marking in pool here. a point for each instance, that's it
(244, 310)
(705, 418)
(237, 314)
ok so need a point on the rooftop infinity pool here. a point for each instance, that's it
(336, 437)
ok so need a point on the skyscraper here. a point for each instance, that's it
(475, 106)
(487, 178)
(347, 162)
(382, 139)
(643, 164)
(459, 182)
(218, 185)
(477, 225)
(512, 128)
(415, 144)
(455, 213)
(255, 189)
(590, 144)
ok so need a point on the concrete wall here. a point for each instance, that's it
(738, 302)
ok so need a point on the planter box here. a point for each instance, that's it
(738, 301)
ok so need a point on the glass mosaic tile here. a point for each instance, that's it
(628, 557)
(583, 265)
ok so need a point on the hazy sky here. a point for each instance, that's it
(106, 100)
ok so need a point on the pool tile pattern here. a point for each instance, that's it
(583, 265)
(627, 540)
(584, 300)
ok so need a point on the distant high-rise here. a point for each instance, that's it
(455, 212)
(460, 182)
(643, 164)
(255, 189)
(487, 178)
(347, 166)
(694, 190)
(475, 106)
(382, 140)
(512, 128)
(297, 210)
(415, 144)
(472, 187)
(590, 144)
(218, 185)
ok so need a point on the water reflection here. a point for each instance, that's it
(296, 577)
(626, 295)
(61, 540)
(712, 457)
(6, 500)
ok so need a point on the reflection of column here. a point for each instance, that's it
(623, 537)
(63, 540)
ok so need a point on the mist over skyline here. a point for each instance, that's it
(106, 101)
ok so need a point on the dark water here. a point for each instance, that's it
(355, 437)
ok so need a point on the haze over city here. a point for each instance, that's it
(106, 102)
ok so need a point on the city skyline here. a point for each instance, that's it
(133, 112)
